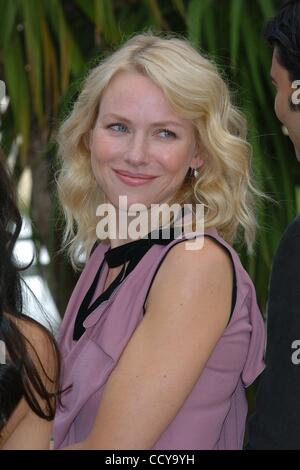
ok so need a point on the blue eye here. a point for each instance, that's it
(167, 133)
(118, 126)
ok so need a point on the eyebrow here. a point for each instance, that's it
(272, 78)
(158, 123)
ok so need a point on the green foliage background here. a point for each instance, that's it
(46, 47)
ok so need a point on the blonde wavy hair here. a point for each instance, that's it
(196, 91)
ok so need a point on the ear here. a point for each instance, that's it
(197, 160)
(199, 155)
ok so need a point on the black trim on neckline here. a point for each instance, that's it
(133, 252)
(120, 254)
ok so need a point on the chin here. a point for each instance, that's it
(130, 201)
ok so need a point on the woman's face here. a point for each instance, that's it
(140, 148)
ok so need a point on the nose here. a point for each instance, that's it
(137, 151)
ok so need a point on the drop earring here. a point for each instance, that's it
(195, 173)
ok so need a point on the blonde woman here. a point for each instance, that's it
(159, 340)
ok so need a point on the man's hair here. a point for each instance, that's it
(283, 33)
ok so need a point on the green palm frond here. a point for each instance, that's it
(46, 46)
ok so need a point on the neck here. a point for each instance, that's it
(129, 227)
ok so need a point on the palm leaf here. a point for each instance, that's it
(235, 24)
(7, 22)
(194, 19)
(32, 14)
(18, 91)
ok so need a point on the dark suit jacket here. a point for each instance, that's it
(276, 422)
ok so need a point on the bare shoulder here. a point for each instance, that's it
(41, 349)
(39, 342)
(206, 268)
(199, 252)
(42, 356)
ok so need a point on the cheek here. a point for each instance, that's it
(100, 155)
(175, 160)
(277, 106)
(280, 107)
(102, 149)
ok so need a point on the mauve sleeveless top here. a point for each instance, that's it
(213, 415)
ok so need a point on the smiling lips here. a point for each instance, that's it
(131, 179)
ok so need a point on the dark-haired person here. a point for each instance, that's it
(276, 423)
(29, 360)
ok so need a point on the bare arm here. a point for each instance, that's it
(188, 309)
(31, 431)
(26, 430)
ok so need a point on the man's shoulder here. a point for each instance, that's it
(295, 224)
(292, 231)
(289, 245)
